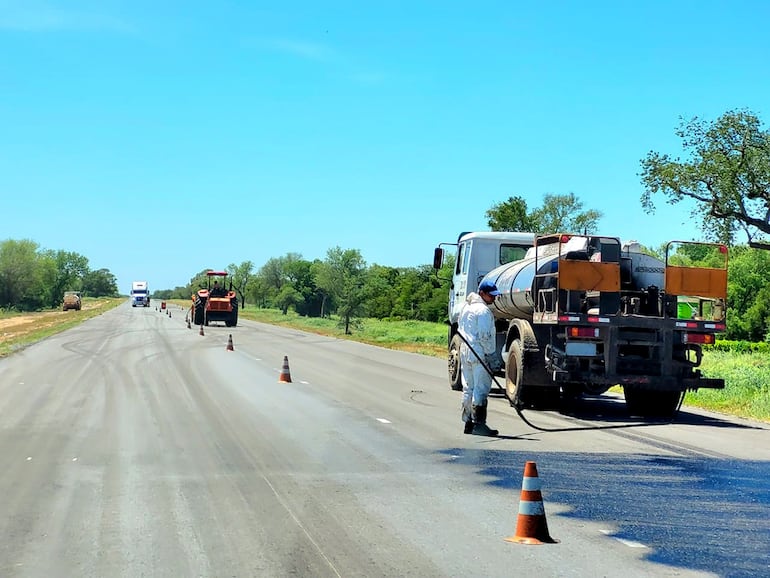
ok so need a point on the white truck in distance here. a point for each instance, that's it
(578, 314)
(140, 294)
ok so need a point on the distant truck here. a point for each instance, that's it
(140, 294)
(72, 300)
(578, 314)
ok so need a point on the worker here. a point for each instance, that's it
(216, 290)
(477, 326)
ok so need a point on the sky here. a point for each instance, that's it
(159, 139)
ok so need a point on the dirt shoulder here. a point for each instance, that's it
(17, 330)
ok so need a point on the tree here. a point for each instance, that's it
(342, 276)
(240, 275)
(100, 283)
(21, 284)
(69, 270)
(510, 215)
(558, 214)
(726, 172)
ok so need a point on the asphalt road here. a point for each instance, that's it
(134, 446)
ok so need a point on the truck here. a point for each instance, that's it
(140, 294)
(579, 314)
(72, 300)
(215, 302)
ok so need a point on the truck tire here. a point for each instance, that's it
(453, 364)
(523, 382)
(650, 403)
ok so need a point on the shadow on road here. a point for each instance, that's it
(695, 512)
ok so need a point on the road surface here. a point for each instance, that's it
(134, 446)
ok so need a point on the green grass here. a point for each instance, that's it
(747, 384)
(48, 323)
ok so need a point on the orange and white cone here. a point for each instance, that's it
(230, 343)
(531, 526)
(285, 376)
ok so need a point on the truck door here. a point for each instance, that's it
(460, 281)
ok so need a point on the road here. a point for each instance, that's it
(134, 446)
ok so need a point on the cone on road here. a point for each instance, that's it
(188, 324)
(201, 331)
(285, 376)
(531, 525)
(230, 343)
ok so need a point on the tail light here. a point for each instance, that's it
(583, 331)
(703, 338)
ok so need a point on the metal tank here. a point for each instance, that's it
(514, 281)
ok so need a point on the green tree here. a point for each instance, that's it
(21, 275)
(748, 275)
(511, 215)
(558, 214)
(68, 272)
(726, 173)
(342, 276)
(100, 283)
(240, 275)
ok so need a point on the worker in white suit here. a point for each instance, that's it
(477, 327)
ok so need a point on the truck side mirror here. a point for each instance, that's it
(438, 257)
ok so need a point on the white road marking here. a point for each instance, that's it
(29, 458)
(74, 459)
(305, 382)
(629, 543)
(383, 420)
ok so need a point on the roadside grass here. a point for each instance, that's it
(747, 384)
(29, 328)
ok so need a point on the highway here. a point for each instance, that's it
(134, 446)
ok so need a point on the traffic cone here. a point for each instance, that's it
(201, 331)
(285, 376)
(188, 324)
(531, 526)
(230, 343)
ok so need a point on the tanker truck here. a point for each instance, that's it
(578, 314)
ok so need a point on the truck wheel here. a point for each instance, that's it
(453, 364)
(650, 403)
(514, 368)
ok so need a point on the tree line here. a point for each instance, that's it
(32, 278)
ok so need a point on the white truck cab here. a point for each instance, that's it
(477, 254)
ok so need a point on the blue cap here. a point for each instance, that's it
(488, 287)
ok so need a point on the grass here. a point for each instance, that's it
(747, 384)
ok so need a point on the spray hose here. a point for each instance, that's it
(562, 429)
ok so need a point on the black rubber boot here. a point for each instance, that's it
(480, 427)
(468, 427)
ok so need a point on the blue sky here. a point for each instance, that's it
(162, 138)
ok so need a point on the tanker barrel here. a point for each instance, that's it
(515, 281)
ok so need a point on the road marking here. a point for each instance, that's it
(629, 543)
(29, 458)
(74, 459)
(305, 382)
(383, 420)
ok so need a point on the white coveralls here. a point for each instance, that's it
(477, 325)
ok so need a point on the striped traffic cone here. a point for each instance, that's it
(285, 376)
(531, 526)
(230, 343)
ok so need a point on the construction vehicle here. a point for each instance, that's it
(72, 300)
(140, 294)
(579, 314)
(215, 302)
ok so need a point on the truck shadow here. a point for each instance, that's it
(693, 512)
(602, 410)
